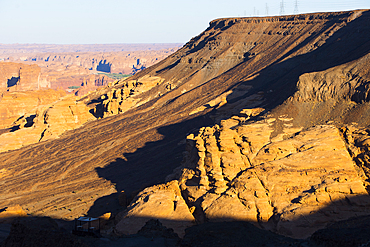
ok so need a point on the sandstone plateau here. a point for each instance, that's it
(255, 123)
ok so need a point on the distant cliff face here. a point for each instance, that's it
(19, 77)
(275, 112)
(20, 105)
(64, 70)
(110, 62)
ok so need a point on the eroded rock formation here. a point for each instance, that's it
(14, 105)
(293, 186)
(19, 77)
(120, 97)
(46, 122)
(163, 202)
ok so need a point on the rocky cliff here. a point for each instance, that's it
(15, 105)
(19, 77)
(261, 120)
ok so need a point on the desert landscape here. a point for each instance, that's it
(68, 67)
(253, 133)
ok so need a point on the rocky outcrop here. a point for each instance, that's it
(119, 97)
(337, 95)
(14, 105)
(293, 184)
(357, 140)
(46, 122)
(10, 213)
(344, 82)
(163, 202)
(19, 77)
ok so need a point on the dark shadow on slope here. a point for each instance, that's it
(106, 204)
(233, 233)
(346, 233)
(44, 231)
(168, 67)
(148, 165)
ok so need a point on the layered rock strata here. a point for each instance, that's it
(46, 122)
(19, 77)
(14, 105)
(292, 184)
(120, 96)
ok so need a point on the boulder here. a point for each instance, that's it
(162, 202)
(9, 213)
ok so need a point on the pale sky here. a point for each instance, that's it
(138, 21)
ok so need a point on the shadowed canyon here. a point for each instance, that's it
(256, 130)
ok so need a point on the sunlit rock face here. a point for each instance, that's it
(19, 77)
(163, 202)
(14, 105)
(286, 168)
(46, 122)
(293, 185)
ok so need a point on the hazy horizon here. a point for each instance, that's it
(75, 22)
(8, 49)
